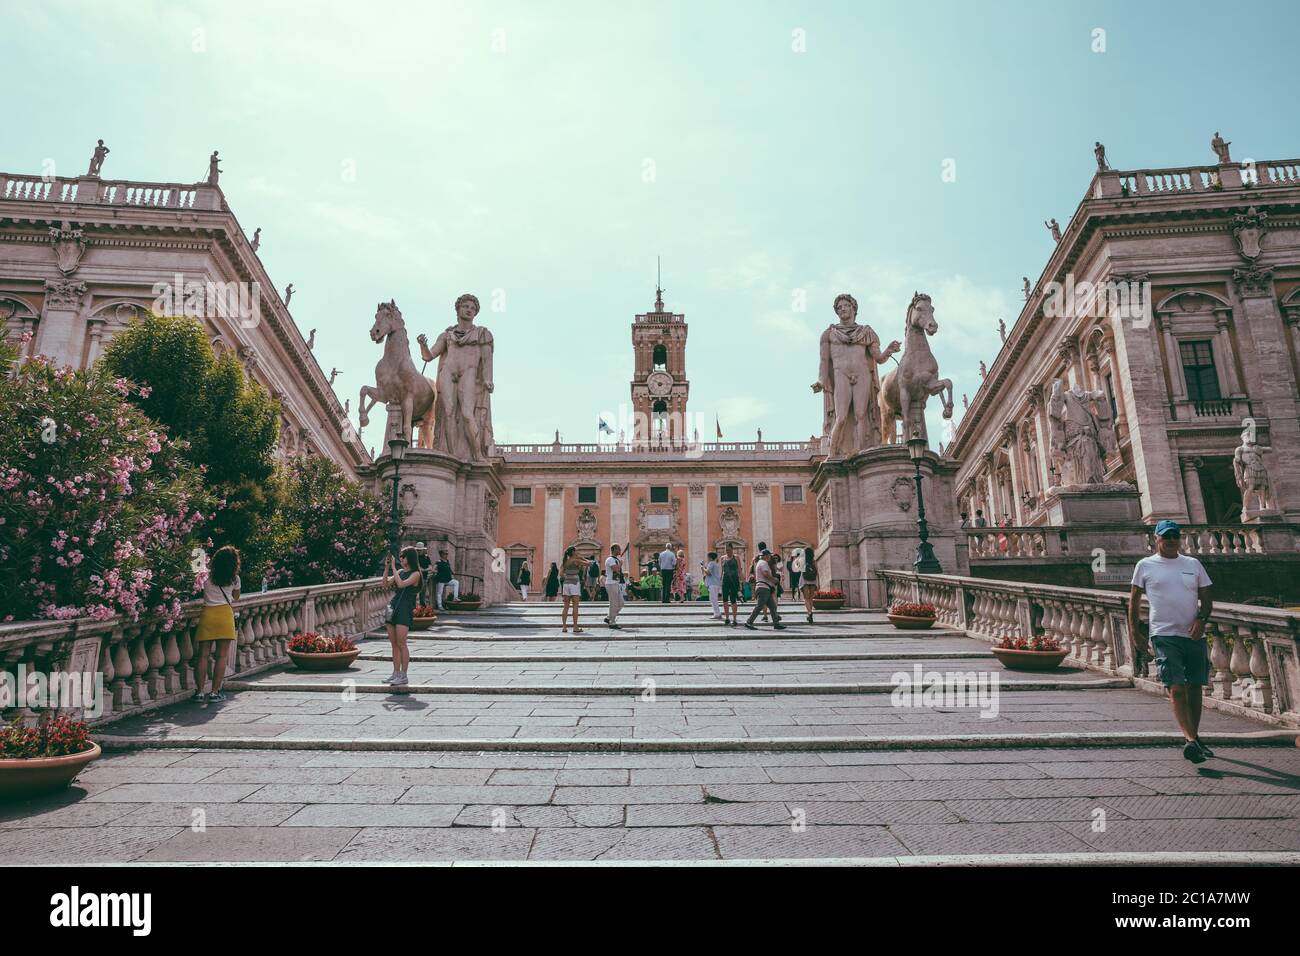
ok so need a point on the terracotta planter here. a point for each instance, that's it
(1017, 660)
(341, 660)
(33, 776)
(905, 623)
(462, 605)
(828, 604)
(422, 623)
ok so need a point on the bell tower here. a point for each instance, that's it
(659, 385)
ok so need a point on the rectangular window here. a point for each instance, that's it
(729, 494)
(522, 496)
(586, 494)
(792, 494)
(1199, 372)
(659, 494)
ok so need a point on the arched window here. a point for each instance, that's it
(660, 416)
(660, 357)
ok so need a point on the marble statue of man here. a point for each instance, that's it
(1252, 476)
(1099, 151)
(97, 160)
(1078, 434)
(1220, 147)
(849, 381)
(463, 410)
(214, 169)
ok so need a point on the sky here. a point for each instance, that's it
(543, 154)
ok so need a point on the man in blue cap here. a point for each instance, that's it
(1178, 595)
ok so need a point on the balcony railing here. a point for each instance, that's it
(678, 448)
(144, 666)
(1043, 541)
(107, 192)
(1252, 650)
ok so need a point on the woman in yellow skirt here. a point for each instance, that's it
(217, 620)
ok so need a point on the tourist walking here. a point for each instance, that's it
(614, 584)
(730, 585)
(571, 589)
(444, 580)
(401, 609)
(679, 577)
(217, 621)
(795, 564)
(525, 578)
(713, 581)
(764, 592)
(552, 582)
(1178, 598)
(809, 586)
(778, 566)
(667, 562)
(593, 581)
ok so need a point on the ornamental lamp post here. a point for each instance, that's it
(926, 562)
(397, 450)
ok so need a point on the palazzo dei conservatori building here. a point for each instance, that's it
(1152, 372)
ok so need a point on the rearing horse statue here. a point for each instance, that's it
(396, 378)
(904, 392)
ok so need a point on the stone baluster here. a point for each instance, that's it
(1239, 663)
(139, 668)
(170, 680)
(185, 644)
(1262, 699)
(106, 668)
(123, 694)
(154, 679)
(1221, 682)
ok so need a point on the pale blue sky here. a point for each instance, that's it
(522, 169)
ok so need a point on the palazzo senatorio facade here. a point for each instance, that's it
(81, 257)
(655, 484)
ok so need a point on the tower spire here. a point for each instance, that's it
(659, 290)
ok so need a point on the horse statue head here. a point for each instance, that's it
(388, 319)
(920, 314)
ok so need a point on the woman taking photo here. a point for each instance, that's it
(808, 581)
(571, 593)
(552, 582)
(217, 621)
(401, 610)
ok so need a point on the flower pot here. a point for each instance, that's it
(31, 776)
(419, 623)
(828, 604)
(1018, 660)
(341, 660)
(906, 623)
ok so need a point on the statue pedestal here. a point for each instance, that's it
(866, 519)
(1261, 516)
(453, 504)
(1113, 504)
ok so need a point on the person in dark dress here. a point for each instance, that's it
(553, 582)
(401, 609)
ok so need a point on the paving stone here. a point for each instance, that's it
(427, 845)
(484, 794)
(374, 815)
(341, 793)
(875, 812)
(230, 844)
(958, 838)
(628, 795)
(648, 843)
(1217, 807)
(576, 815)
(706, 814)
(813, 842)
(195, 794)
(1030, 810)
(213, 815)
(79, 845)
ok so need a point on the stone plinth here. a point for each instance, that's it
(456, 504)
(866, 519)
(1111, 504)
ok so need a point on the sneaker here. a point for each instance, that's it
(399, 680)
(750, 626)
(809, 618)
(390, 678)
(1192, 751)
(1204, 749)
(216, 697)
(778, 627)
(199, 697)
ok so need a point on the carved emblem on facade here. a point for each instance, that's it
(760, 487)
(824, 513)
(729, 522)
(620, 491)
(490, 515)
(902, 492)
(64, 293)
(657, 520)
(554, 491)
(587, 526)
(69, 247)
(1248, 230)
(697, 491)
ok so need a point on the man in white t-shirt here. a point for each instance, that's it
(667, 564)
(614, 585)
(1178, 595)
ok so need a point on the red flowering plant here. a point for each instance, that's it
(469, 597)
(912, 609)
(312, 643)
(828, 594)
(424, 610)
(99, 510)
(1039, 642)
(56, 736)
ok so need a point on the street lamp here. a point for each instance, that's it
(397, 450)
(926, 562)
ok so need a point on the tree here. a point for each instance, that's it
(230, 425)
(100, 512)
(328, 527)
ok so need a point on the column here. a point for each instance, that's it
(553, 528)
(618, 530)
(1017, 483)
(990, 489)
(96, 329)
(761, 516)
(697, 526)
(1192, 488)
(1225, 358)
(1172, 363)
(59, 336)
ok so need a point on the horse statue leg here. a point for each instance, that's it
(373, 393)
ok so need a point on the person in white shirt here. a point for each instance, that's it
(614, 585)
(713, 581)
(1178, 595)
(667, 564)
(764, 592)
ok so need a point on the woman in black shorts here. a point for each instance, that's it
(730, 585)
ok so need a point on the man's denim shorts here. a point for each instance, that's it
(1181, 660)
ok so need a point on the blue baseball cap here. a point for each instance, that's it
(1167, 527)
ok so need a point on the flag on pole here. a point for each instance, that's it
(717, 425)
(604, 427)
